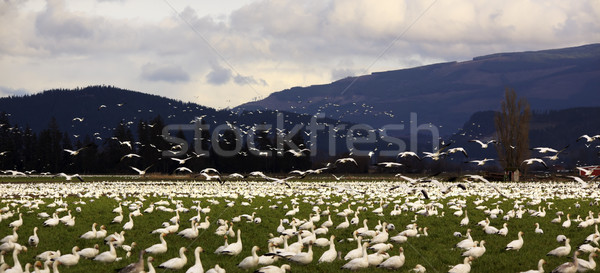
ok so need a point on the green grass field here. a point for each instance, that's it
(435, 252)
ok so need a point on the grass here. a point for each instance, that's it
(435, 252)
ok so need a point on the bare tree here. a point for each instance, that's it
(512, 127)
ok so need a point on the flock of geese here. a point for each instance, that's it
(332, 216)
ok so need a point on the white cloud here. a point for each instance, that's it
(167, 72)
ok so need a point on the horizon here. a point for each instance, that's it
(225, 54)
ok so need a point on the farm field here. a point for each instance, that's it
(377, 202)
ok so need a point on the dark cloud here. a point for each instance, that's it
(218, 75)
(166, 73)
(57, 23)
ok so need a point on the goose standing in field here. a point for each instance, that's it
(250, 261)
(561, 251)
(101, 233)
(191, 232)
(48, 255)
(516, 244)
(235, 248)
(465, 220)
(489, 229)
(129, 224)
(17, 223)
(567, 223)
(220, 248)
(394, 262)
(90, 252)
(34, 240)
(107, 256)
(303, 258)
(119, 218)
(343, 225)
(590, 264)
(150, 266)
(16, 263)
(158, 248)
(137, 267)
(465, 267)
(329, 255)
(475, 252)
(377, 258)
(360, 262)
(13, 238)
(569, 267)
(357, 252)
(177, 262)
(467, 242)
(197, 267)
(273, 269)
(538, 230)
(70, 259)
(504, 230)
(540, 269)
(90, 234)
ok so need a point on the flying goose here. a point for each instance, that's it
(142, 173)
(484, 145)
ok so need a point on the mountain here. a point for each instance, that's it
(447, 94)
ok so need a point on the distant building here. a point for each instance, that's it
(595, 170)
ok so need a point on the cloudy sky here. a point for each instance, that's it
(223, 53)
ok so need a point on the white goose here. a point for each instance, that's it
(129, 224)
(358, 263)
(465, 220)
(34, 240)
(158, 248)
(272, 269)
(235, 248)
(357, 252)
(119, 218)
(197, 267)
(590, 264)
(465, 267)
(150, 266)
(70, 259)
(516, 244)
(13, 238)
(477, 251)
(52, 221)
(303, 258)
(250, 261)
(17, 223)
(90, 234)
(90, 252)
(504, 230)
(101, 233)
(343, 225)
(17, 268)
(177, 262)
(191, 232)
(561, 251)
(107, 256)
(394, 262)
(538, 230)
(540, 269)
(567, 223)
(329, 255)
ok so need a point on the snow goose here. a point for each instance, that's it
(303, 258)
(235, 248)
(377, 258)
(129, 224)
(272, 269)
(329, 255)
(17, 264)
(70, 259)
(540, 269)
(504, 230)
(569, 267)
(587, 248)
(158, 248)
(150, 266)
(250, 261)
(177, 262)
(90, 252)
(561, 251)
(382, 237)
(465, 267)
(118, 219)
(17, 223)
(52, 221)
(343, 225)
(197, 267)
(516, 244)
(107, 256)
(538, 230)
(189, 233)
(475, 252)
(13, 238)
(268, 258)
(90, 234)
(567, 223)
(465, 220)
(48, 255)
(360, 262)
(381, 246)
(357, 252)
(101, 233)
(34, 240)
(220, 248)
(489, 229)
(394, 262)
(590, 264)
(136, 267)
